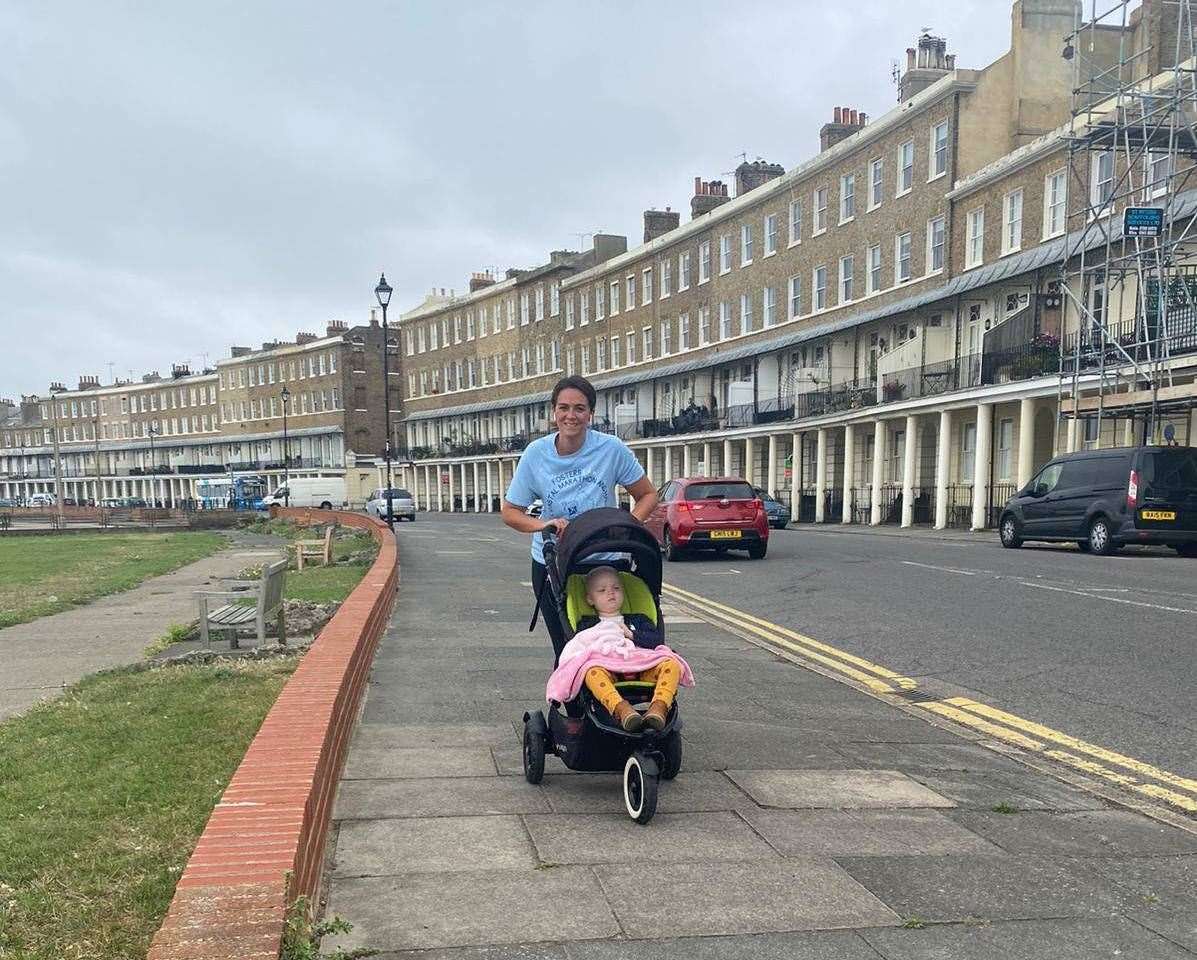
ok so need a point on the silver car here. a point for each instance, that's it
(403, 504)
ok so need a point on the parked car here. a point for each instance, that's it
(777, 512)
(702, 513)
(1105, 499)
(323, 492)
(403, 504)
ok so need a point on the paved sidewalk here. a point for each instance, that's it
(39, 657)
(810, 820)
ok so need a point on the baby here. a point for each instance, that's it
(604, 592)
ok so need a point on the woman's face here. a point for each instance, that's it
(571, 414)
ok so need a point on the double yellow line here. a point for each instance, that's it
(1116, 768)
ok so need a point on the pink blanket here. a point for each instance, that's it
(604, 645)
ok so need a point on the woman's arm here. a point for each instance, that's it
(516, 518)
(645, 495)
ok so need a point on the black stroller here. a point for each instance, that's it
(592, 740)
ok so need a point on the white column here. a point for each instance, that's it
(687, 466)
(1128, 432)
(706, 459)
(750, 461)
(943, 460)
(727, 458)
(849, 468)
(981, 469)
(490, 490)
(477, 490)
(1071, 447)
(1026, 440)
(908, 461)
(821, 476)
(648, 465)
(795, 479)
(771, 468)
(879, 436)
(464, 489)
(440, 487)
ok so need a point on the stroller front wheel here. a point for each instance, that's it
(640, 779)
(534, 748)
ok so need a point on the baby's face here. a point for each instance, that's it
(605, 595)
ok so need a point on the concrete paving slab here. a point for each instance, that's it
(707, 749)
(819, 945)
(374, 762)
(836, 789)
(962, 888)
(509, 760)
(523, 951)
(1024, 790)
(718, 899)
(864, 833)
(378, 848)
(382, 706)
(448, 797)
(1179, 928)
(616, 838)
(1085, 833)
(689, 792)
(1154, 884)
(421, 735)
(833, 727)
(928, 756)
(421, 911)
(1025, 940)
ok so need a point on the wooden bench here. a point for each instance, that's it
(267, 597)
(315, 549)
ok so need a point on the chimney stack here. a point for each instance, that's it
(659, 222)
(845, 121)
(304, 337)
(179, 370)
(749, 176)
(336, 328)
(479, 281)
(88, 383)
(707, 196)
(925, 64)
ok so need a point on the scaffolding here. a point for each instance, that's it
(1131, 289)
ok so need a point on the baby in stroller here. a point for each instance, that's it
(614, 632)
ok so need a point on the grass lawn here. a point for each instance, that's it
(103, 794)
(47, 574)
(323, 584)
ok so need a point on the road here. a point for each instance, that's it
(1098, 648)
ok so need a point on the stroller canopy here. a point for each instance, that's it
(609, 530)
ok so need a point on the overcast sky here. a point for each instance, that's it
(178, 177)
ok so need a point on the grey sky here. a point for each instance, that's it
(177, 177)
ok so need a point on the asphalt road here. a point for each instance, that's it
(1100, 648)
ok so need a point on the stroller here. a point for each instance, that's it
(584, 735)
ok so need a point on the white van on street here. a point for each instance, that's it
(328, 493)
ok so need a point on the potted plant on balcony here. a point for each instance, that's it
(893, 390)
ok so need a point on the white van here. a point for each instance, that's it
(325, 492)
(41, 500)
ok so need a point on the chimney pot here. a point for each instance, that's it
(835, 117)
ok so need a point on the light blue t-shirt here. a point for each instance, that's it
(570, 485)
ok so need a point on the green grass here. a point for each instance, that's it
(324, 584)
(48, 574)
(103, 794)
(177, 633)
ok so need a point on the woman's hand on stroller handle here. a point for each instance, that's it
(554, 527)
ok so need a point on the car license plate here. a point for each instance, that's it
(1158, 515)
(725, 534)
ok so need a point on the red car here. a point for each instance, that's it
(709, 513)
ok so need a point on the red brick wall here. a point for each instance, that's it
(232, 896)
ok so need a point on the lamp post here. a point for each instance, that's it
(383, 293)
(95, 433)
(153, 431)
(58, 484)
(286, 395)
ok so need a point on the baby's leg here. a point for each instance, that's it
(667, 675)
(602, 685)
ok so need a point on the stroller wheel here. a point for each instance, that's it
(671, 762)
(640, 779)
(533, 755)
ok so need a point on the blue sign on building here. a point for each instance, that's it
(1142, 221)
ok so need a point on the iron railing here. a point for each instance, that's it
(960, 505)
(999, 493)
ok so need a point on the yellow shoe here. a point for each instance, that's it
(627, 717)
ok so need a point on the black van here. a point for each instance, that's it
(1105, 499)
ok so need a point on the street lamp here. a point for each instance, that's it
(286, 395)
(56, 389)
(153, 431)
(383, 293)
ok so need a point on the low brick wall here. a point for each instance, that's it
(273, 818)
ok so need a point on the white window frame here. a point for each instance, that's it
(876, 182)
(898, 259)
(818, 286)
(569, 312)
(646, 286)
(795, 222)
(725, 253)
(554, 299)
(666, 338)
(1100, 204)
(584, 309)
(1054, 189)
(847, 284)
(613, 303)
(704, 325)
(600, 303)
(646, 335)
(746, 313)
(630, 347)
(933, 152)
(819, 221)
(929, 264)
(704, 262)
(1011, 204)
(794, 298)
(725, 320)
(630, 291)
(666, 278)
(974, 244)
(905, 173)
(1155, 184)
(746, 243)
(847, 198)
(768, 307)
(873, 267)
(770, 234)
(683, 271)
(683, 331)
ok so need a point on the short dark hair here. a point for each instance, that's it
(581, 384)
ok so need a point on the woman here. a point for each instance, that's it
(573, 470)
